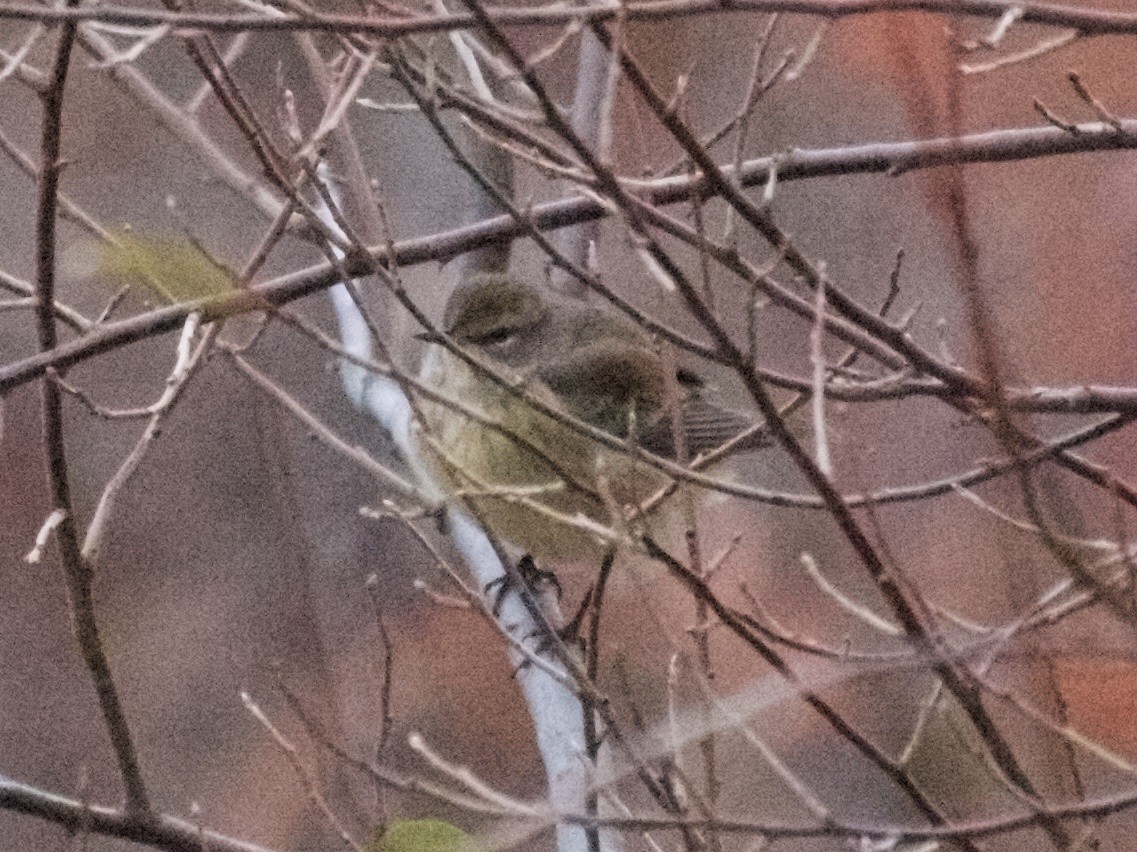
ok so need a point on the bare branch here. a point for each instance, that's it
(159, 831)
(1088, 21)
(77, 571)
(997, 146)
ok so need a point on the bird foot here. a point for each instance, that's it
(534, 578)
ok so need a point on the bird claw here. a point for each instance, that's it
(532, 576)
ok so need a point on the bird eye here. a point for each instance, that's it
(497, 338)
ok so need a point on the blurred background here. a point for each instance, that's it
(238, 550)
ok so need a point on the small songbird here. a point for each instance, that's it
(590, 362)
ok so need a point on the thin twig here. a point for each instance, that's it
(406, 490)
(897, 774)
(309, 784)
(859, 611)
(187, 362)
(157, 831)
(817, 398)
(1097, 106)
(386, 720)
(1043, 47)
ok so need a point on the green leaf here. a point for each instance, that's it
(421, 835)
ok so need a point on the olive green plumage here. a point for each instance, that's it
(587, 361)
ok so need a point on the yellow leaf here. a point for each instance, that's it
(173, 267)
(421, 835)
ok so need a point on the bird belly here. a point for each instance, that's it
(536, 482)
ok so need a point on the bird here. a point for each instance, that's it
(530, 476)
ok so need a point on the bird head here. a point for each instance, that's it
(496, 313)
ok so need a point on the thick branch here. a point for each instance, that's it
(75, 567)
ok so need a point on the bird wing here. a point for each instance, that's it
(706, 426)
(607, 383)
(616, 385)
